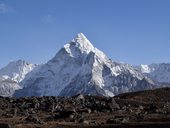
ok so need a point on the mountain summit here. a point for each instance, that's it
(16, 70)
(12, 74)
(80, 68)
(82, 43)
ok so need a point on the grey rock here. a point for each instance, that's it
(114, 105)
(33, 119)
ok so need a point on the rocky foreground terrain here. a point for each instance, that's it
(145, 109)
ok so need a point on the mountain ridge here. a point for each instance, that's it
(160, 72)
(79, 67)
(12, 74)
(16, 70)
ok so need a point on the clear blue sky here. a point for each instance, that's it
(132, 31)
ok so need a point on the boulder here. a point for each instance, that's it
(33, 119)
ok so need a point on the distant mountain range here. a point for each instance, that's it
(79, 68)
(158, 72)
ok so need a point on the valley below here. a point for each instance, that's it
(144, 109)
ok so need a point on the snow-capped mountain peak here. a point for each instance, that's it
(83, 42)
(80, 44)
(159, 72)
(16, 70)
(12, 74)
(145, 68)
(79, 67)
